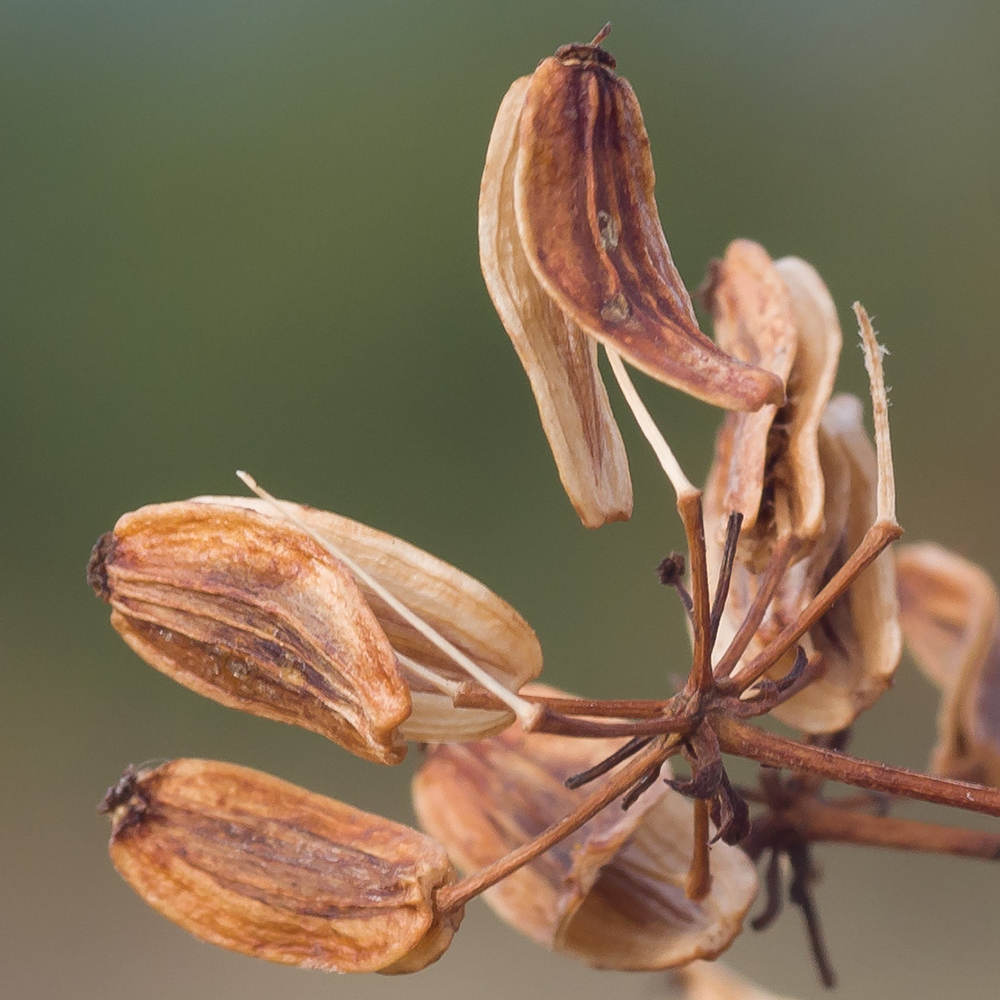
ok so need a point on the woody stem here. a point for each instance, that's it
(777, 751)
(700, 678)
(453, 897)
(817, 821)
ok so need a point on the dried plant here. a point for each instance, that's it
(563, 811)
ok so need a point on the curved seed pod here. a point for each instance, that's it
(769, 468)
(754, 322)
(810, 384)
(260, 866)
(464, 611)
(950, 613)
(587, 217)
(612, 894)
(252, 613)
(558, 357)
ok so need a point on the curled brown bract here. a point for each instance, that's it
(573, 253)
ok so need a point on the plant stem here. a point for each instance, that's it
(455, 896)
(777, 751)
(818, 821)
(878, 537)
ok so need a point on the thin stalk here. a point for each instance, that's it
(818, 821)
(639, 708)
(699, 877)
(701, 678)
(784, 552)
(878, 537)
(455, 896)
(745, 740)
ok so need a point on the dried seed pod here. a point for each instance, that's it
(950, 613)
(558, 357)
(252, 613)
(859, 636)
(571, 246)
(613, 893)
(466, 613)
(754, 322)
(260, 866)
(768, 468)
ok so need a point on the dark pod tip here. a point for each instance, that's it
(591, 52)
(97, 565)
(121, 791)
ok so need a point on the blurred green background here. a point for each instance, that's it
(243, 234)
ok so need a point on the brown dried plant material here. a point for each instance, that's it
(753, 317)
(859, 637)
(460, 608)
(950, 613)
(767, 464)
(613, 893)
(571, 247)
(260, 866)
(558, 357)
(252, 613)
(810, 384)
(713, 981)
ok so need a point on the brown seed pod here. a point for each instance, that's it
(257, 865)
(461, 609)
(573, 253)
(250, 612)
(583, 194)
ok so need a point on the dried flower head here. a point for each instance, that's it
(571, 248)
(613, 893)
(257, 865)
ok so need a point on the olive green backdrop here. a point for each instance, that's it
(243, 235)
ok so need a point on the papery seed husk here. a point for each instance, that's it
(589, 227)
(612, 894)
(752, 313)
(860, 636)
(950, 615)
(770, 471)
(252, 613)
(463, 610)
(558, 357)
(810, 384)
(251, 863)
